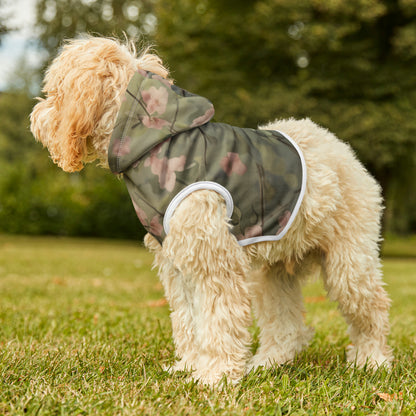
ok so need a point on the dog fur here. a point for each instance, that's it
(210, 281)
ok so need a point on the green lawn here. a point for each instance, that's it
(84, 330)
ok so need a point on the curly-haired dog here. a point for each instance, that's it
(221, 249)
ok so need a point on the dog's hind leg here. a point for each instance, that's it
(278, 306)
(352, 277)
(212, 270)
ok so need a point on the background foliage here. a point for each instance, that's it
(92, 336)
(347, 65)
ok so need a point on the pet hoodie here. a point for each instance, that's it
(166, 148)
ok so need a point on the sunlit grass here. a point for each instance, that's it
(84, 330)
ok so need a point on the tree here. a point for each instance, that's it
(4, 28)
(36, 197)
(60, 19)
(348, 65)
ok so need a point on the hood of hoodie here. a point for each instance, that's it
(152, 111)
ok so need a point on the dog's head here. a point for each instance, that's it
(83, 88)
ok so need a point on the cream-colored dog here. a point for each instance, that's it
(210, 280)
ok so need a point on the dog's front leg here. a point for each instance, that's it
(211, 285)
(179, 293)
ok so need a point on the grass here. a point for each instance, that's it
(401, 247)
(84, 330)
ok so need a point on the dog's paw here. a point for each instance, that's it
(282, 351)
(215, 379)
(369, 357)
(268, 361)
(181, 365)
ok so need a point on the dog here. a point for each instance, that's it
(212, 276)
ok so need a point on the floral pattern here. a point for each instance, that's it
(122, 146)
(233, 164)
(253, 231)
(283, 221)
(204, 118)
(156, 99)
(163, 141)
(154, 122)
(154, 225)
(165, 168)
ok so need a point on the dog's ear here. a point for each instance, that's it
(43, 124)
(69, 115)
(83, 89)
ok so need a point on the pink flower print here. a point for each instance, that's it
(253, 231)
(155, 227)
(154, 122)
(155, 99)
(157, 149)
(122, 146)
(141, 215)
(165, 169)
(283, 221)
(233, 164)
(199, 121)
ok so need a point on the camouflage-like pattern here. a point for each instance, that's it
(163, 141)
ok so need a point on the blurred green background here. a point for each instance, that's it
(348, 65)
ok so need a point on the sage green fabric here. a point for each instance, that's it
(164, 141)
